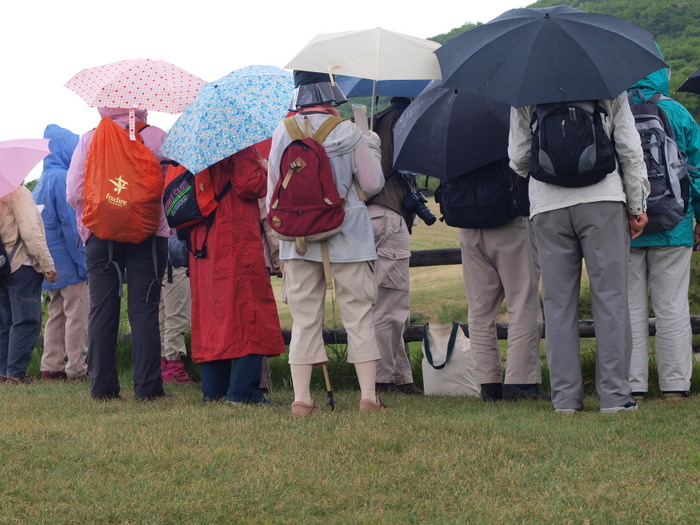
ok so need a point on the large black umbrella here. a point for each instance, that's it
(692, 85)
(552, 54)
(446, 132)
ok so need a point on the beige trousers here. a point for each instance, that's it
(304, 290)
(65, 333)
(497, 265)
(174, 315)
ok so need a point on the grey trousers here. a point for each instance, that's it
(597, 233)
(662, 272)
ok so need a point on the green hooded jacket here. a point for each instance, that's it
(688, 139)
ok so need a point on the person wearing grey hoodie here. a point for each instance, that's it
(355, 160)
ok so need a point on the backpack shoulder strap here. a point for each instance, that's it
(326, 127)
(293, 128)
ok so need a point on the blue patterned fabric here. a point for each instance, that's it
(228, 115)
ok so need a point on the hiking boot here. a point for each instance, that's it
(53, 376)
(174, 371)
(529, 392)
(367, 405)
(26, 380)
(410, 389)
(491, 391)
(3, 378)
(301, 409)
(627, 407)
(389, 388)
(675, 395)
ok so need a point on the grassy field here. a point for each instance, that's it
(431, 460)
(67, 459)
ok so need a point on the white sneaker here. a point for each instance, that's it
(627, 407)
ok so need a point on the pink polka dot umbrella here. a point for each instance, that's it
(143, 83)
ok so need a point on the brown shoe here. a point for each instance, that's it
(367, 405)
(53, 376)
(3, 378)
(26, 380)
(301, 409)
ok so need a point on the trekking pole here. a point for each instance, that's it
(329, 390)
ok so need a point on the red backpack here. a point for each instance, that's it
(123, 186)
(305, 204)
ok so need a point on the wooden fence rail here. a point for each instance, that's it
(453, 256)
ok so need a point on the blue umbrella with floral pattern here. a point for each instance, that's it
(228, 115)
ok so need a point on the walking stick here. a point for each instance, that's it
(329, 390)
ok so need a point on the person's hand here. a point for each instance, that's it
(637, 224)
(51, 276)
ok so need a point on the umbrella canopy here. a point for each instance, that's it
(692, 85)
(228, 115)
(17, 158)
(143, 83)
(553, 54)
(375, 54)
(445, 133)
(365, 87)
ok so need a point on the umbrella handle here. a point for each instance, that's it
(329, 390)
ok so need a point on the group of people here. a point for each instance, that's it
(234, 320)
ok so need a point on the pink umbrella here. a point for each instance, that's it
(141, 83)
(17, 158)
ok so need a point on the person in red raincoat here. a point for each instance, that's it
(234, 314)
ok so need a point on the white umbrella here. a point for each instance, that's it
(375, 54)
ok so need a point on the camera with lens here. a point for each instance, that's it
(414, 201)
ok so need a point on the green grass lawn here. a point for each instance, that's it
(67, 459)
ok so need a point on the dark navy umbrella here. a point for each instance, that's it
(445, 133)
(551, 54)
(692, 85)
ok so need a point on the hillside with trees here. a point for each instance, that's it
(674, 24)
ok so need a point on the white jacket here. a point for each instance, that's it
(632, 189)
(351, 159)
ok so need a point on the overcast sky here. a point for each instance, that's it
(45, 42)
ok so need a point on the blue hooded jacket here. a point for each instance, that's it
(59, 218)
(688, 139)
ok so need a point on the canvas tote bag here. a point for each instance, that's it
(448, 365)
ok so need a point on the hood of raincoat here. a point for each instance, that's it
(656, 82)
(62, 143)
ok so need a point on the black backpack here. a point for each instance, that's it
(667, 166)
(569, 144)
(6, 259)
(482, 198)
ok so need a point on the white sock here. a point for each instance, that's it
(301, 382)
(367, 376)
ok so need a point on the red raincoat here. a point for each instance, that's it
(233, 307)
